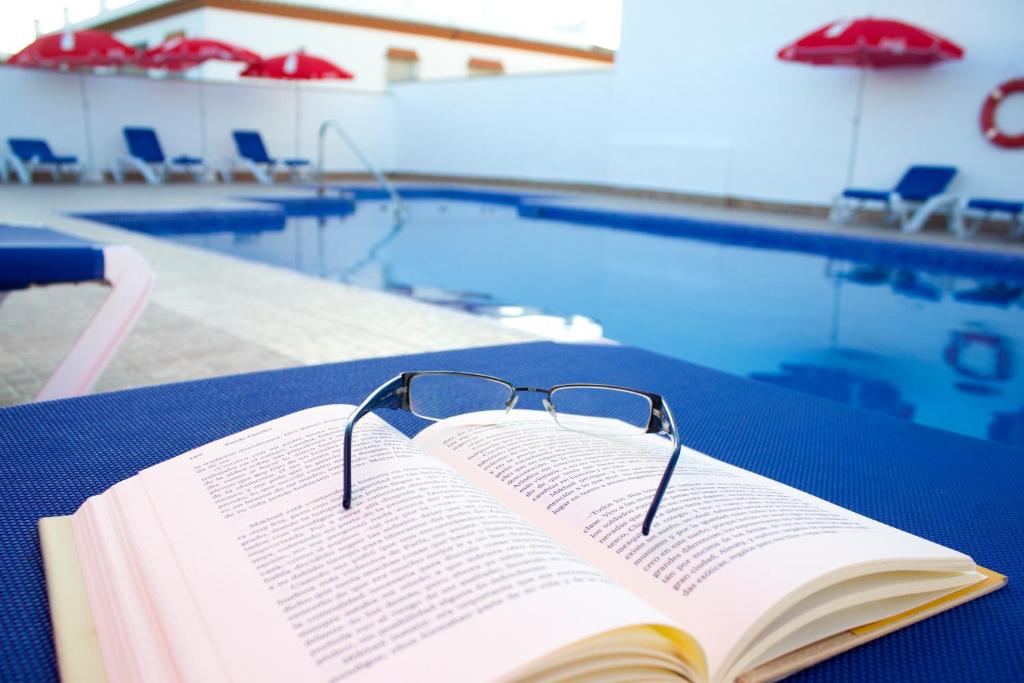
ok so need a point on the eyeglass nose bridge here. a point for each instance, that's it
(534, 390)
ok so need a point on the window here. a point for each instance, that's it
(403, 65)
(485, 67)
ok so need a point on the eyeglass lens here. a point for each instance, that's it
(445, 395)
(576, 406)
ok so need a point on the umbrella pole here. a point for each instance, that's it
(855, 133)
(202, 118)
(298, 120)
(89, 172)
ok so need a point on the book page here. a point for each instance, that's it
(728, 551)
(424, 577)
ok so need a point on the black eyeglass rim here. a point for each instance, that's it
(395, 394)
(655, 401)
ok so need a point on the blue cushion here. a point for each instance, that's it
(856, 193)
(65, 159)
(28, 149)
(250, 146)
(187, 161)
(296, 162)
(38, 256)
(962, 492)
(924, 182)
(143, 144)
(996, 205)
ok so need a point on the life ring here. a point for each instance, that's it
(988, 114)
(1001, 366)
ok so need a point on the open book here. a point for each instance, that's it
(489, 547)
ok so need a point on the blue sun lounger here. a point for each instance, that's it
(969, 214)
(917, 186)
(146, 156)
(29, 154)
(253, 157)
(31, 256)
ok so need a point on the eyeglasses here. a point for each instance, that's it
(436, 395)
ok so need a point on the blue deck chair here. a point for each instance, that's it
(40, 256)
(919, 185)
(29, 154)
(253, 157)
(146, 156)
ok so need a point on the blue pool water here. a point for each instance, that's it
(924, 343)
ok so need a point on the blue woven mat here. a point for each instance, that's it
(958, 491)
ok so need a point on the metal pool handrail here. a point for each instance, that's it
(330, 124)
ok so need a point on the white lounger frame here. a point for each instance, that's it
(963, 221)
(844, 209)
(131, 281)
(156, 174)
(264, 173)
(23, 170)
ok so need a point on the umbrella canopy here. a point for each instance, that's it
(296, 66)
(178, 54)
(870, 42)
(74, 49)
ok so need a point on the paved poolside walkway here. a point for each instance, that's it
(210, 314)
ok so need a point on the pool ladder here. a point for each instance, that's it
(397, 209)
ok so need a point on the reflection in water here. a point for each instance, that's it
(1007, 428)
(841, 386)
(372, 255)
(931, 345)
(979, 355)
(914, 285)
(993, 293)
(909, 283)
(865, 275)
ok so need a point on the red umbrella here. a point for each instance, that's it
(297, 66)
(75, 50)
(877, 43)
(869, 43)
(178, 54)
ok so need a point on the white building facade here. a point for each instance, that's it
(378, 50)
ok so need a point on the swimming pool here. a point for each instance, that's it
(915, 333)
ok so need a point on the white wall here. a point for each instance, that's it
(552, 127)
(701, 103)
(49, 105)
(698, 103)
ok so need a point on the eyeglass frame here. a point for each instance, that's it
(395, 394)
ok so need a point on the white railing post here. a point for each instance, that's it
(396, 201)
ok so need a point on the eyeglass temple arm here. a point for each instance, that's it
(391, 394)
(668, 425)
